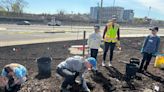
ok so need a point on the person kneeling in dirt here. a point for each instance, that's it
(15, 75)
(73, 67)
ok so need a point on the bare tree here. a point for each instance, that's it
(15, 6)
(7, 4)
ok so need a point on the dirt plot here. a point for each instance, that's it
(109, 79)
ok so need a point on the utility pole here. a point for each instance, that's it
(148, 16)
(114, 12)
(113, 3)
(149, 12)
(100, 15)
(71, 19)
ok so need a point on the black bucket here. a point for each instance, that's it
(44, 66)
(135, 61)
(131, 70)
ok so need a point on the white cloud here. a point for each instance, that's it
(157, 5)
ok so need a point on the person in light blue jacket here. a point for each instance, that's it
(16, 75)
(150, 48)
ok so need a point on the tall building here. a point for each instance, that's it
(108, 12)
(94, 13)
(128, 15)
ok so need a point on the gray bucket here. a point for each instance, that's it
(44, 66)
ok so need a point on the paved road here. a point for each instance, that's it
(16, 34)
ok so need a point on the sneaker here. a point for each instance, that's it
(109, 64)
(103, 63)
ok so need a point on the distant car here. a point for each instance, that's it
(54, 23)
(24, 23)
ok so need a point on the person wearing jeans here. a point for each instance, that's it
(149, 49)
(73, 67)
(111, 37)
(94, 42)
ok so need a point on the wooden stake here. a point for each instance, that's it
(84, 36)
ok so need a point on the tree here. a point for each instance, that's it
(7, 4)
(2, 9)
(18, 6)
(15, 6)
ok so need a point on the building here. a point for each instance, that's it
(94, 13)
(128, 15)
(108, 12)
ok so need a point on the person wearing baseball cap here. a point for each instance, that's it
(150, 48)
(94, 41)
(111, 37)
(73, 67)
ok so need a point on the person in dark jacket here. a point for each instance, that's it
(149, 49)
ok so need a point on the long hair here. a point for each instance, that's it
(7, 69)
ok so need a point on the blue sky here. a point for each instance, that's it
(140, 7)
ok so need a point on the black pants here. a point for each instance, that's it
(68, 75)
(146, 57)
(94, 53)
(106, 48)
(15, 88)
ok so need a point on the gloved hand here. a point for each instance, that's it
(118, 45)
(88, 90)
(76, 74)
(84, 86)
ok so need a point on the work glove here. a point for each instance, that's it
(118, 45)
(84, 86)
(76, 74)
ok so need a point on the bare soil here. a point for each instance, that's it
(109, 79)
